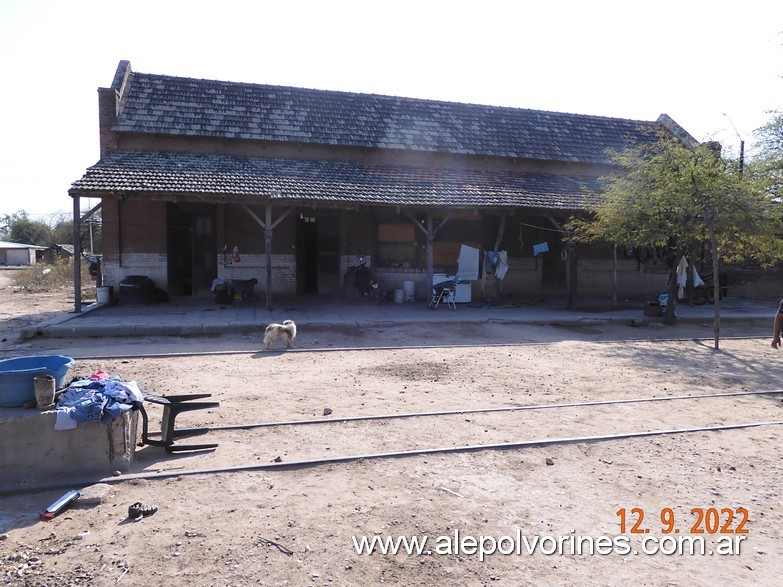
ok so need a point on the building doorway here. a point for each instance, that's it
(553, 269)
(317, 252)
(192, 248)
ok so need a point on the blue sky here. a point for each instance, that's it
(695, 60)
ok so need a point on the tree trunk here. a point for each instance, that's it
(670, 317)
(689, 279)
(715, 276)
(614, 276)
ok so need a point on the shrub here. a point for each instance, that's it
(51, 278)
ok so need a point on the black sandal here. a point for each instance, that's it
(137, 511)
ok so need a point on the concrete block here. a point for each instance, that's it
(30, 447)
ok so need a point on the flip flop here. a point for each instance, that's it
(137, 511)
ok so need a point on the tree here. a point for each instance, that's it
(7, 221)
(62, 232)
(674, 196)
(22, 229)
(767, 167)
(19, 228)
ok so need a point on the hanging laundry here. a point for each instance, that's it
(490, 261)
(682, 276)
(502, 268)
(540, 248)
(467, 263)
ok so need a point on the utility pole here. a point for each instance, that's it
(742, 144)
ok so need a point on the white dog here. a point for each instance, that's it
(286, 330)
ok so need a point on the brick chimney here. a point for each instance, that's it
(109, 105)
(714, 146)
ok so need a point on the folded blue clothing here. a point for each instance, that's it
(103, 400)
(89, 409)
(113, 410)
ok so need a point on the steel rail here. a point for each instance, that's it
(309, 463)
(254, 351)
(475, 411)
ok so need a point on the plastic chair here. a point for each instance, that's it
(443, 292)
(172, 406)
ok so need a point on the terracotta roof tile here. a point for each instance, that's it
(183, 106)
(138, 172)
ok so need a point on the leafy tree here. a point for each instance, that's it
(62, 232)
(30, 232)
(7, 221)
(767, 167)
(679, 197)
(20, 228)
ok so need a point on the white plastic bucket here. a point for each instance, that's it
(103, 295)
(407, 287)
(398, 296)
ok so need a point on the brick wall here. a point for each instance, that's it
(143, 225)
(155, 267)
(634, 280)
(152, 265)
(396, 278)
(142, 248)
(250, 266)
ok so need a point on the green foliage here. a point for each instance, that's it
(62, 230)
(30, 232)
(20, 228)
(767, 168)
(669, 195)
(770, 136)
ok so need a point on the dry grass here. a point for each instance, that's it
(51, 278)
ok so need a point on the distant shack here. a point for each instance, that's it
(58, 254)
(18, 254)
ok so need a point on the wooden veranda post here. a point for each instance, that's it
(268, 253)
(268, 227)
(77, 256)
(429, 230)
(430, 241)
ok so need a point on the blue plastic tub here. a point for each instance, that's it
(16, 377)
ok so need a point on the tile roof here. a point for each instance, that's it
(167, 105)
(251, 178)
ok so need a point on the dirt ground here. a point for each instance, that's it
(222, 514)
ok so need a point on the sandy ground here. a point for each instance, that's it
(222, 527)
(19, 309)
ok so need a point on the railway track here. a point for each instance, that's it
(248, 447)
